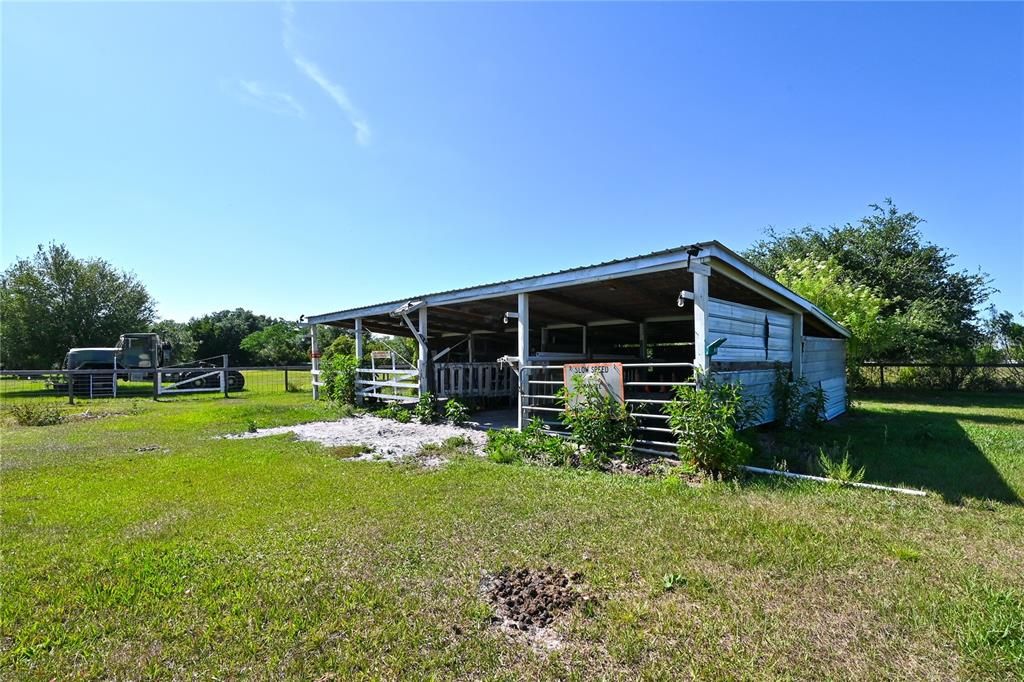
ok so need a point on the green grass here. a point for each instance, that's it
(138, 545)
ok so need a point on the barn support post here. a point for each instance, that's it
(523, 348)
(471, 349)
(314, 357)
(700, 322)
(423, 353)
(798, 345)
(359, 354)
(642, 333)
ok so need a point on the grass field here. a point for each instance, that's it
(138, 546)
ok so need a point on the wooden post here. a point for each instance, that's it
(881, 376)
(314, 356)
(586, 351)
(523, 345)
(359, 356)
(423, 354)
(642, 331)
(71, 388)
(359, 341)
(798, 345)
(472, 349)
(286, 378)
(700, 321)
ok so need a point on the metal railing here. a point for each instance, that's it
(122, 383)
(648, 386)
(392, 385)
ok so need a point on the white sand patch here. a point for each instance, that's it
(386, 438)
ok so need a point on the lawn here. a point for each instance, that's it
(137, 545)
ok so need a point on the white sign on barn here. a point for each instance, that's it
(606, 375)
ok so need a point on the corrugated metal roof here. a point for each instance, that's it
(716, 249)
(615, 261)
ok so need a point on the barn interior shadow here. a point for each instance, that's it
(918, 449)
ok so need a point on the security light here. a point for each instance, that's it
(510, 316)
(712, 348)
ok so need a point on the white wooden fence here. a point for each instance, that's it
(473, 380)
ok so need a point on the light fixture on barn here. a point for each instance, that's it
(509, 316)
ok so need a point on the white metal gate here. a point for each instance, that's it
(648, 387)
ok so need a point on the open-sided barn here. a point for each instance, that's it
(659, 315)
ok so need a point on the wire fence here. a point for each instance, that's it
(938, 376)
(73, 385)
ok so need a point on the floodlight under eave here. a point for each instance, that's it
(406, 308)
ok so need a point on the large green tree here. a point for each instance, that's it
(221, 333)
(183, 346)
(281, 343)
(54, 301)
(933, 305)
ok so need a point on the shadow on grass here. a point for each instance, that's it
(910, 448)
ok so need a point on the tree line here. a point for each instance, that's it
(53, 301)
(901, 296)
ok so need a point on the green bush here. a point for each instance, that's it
(532, 444)
(42, 413)
(600, 426)
(455, 412)
(706, 420)
(839, 470)
(396, 412)
(797, 404)
(339, 377)
(426, 409)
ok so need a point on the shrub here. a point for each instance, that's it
(706, 420)
(532, 444)
(396, 412)
(455, 412)
(426, 409)
(37, 414)
(839, 470)
(600, 426)
(339, 376)
(797, 404)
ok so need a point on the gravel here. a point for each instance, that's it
(386, 439)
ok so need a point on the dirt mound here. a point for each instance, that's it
(525, 598)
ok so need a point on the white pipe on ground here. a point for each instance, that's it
(821, 479)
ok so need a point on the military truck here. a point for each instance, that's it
(140, 353)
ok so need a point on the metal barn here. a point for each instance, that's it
(658, 316)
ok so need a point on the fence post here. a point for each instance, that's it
(224, 377)
(155, 364)
(285, 379)
(881, 376)
(71, 388)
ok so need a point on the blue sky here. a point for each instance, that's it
(306, 158)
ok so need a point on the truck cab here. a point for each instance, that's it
(142, 351)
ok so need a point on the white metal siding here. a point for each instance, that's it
(743, 327)
(824, 365)
(757, 385)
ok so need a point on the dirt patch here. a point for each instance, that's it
(384, 439)
(530, 600)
